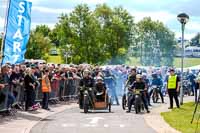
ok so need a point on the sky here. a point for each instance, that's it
(48, 11)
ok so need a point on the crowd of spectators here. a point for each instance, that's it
(22, 84)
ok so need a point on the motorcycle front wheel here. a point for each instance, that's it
(85, 104)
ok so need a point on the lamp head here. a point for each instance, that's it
(183, 18)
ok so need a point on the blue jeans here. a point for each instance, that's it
(11, 100)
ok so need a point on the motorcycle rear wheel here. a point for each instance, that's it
(85, 105)
(155, 97)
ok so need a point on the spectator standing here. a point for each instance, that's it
(30, 84)
(6, 81)
(173, 84)
(46, 89)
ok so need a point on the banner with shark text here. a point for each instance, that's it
(17, 31)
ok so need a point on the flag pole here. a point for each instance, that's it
(5, 30)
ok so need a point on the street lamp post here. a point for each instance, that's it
(183, 19)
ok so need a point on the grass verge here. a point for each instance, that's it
(180, 119)
(188, 62)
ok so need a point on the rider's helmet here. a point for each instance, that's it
(139, 71)
(138, 76)
(99, 78)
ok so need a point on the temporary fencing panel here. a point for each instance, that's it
(4, 99)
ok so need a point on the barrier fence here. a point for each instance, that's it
(4, 99)
(61, 90)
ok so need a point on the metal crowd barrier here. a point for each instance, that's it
(54, 95)
(3, 99)
(19, 93)
(65, 90)
(68, 91)
(61, 90)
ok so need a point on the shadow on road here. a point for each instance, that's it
(19, 116)
(47, 119)
(97, 112)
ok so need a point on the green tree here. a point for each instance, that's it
(43, 29)
(104, 14)
(116, 31)
(53, 35)
(156, 37)
(195, 41)
(106, 35)
(78, 35)
(38, 46)
(94, 36)
(84, 28)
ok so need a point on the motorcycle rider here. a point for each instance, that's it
(147, 83)
(86, 81)
(131, 77)
(100, 89)
(157, 82)
(138, 84)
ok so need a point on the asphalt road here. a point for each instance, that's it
(75, 121)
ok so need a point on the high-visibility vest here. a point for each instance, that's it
(172, 82)
(45, 87)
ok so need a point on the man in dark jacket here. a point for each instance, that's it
(138, 85)
(86, 81)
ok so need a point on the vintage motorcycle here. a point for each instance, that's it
(92, 101)
(138, 104)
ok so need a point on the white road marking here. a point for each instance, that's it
(95, 120)
(68, 125)
(106, 125)
(64, 125)
(89, 125)
(121, 125)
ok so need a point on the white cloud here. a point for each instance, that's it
(50, 25)
(187, 36)
(2, 22)
(162, 16)
(193, 25)
(145, 1)
(166, 17)
(36, 2)
(91, 1)
(50, 10)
